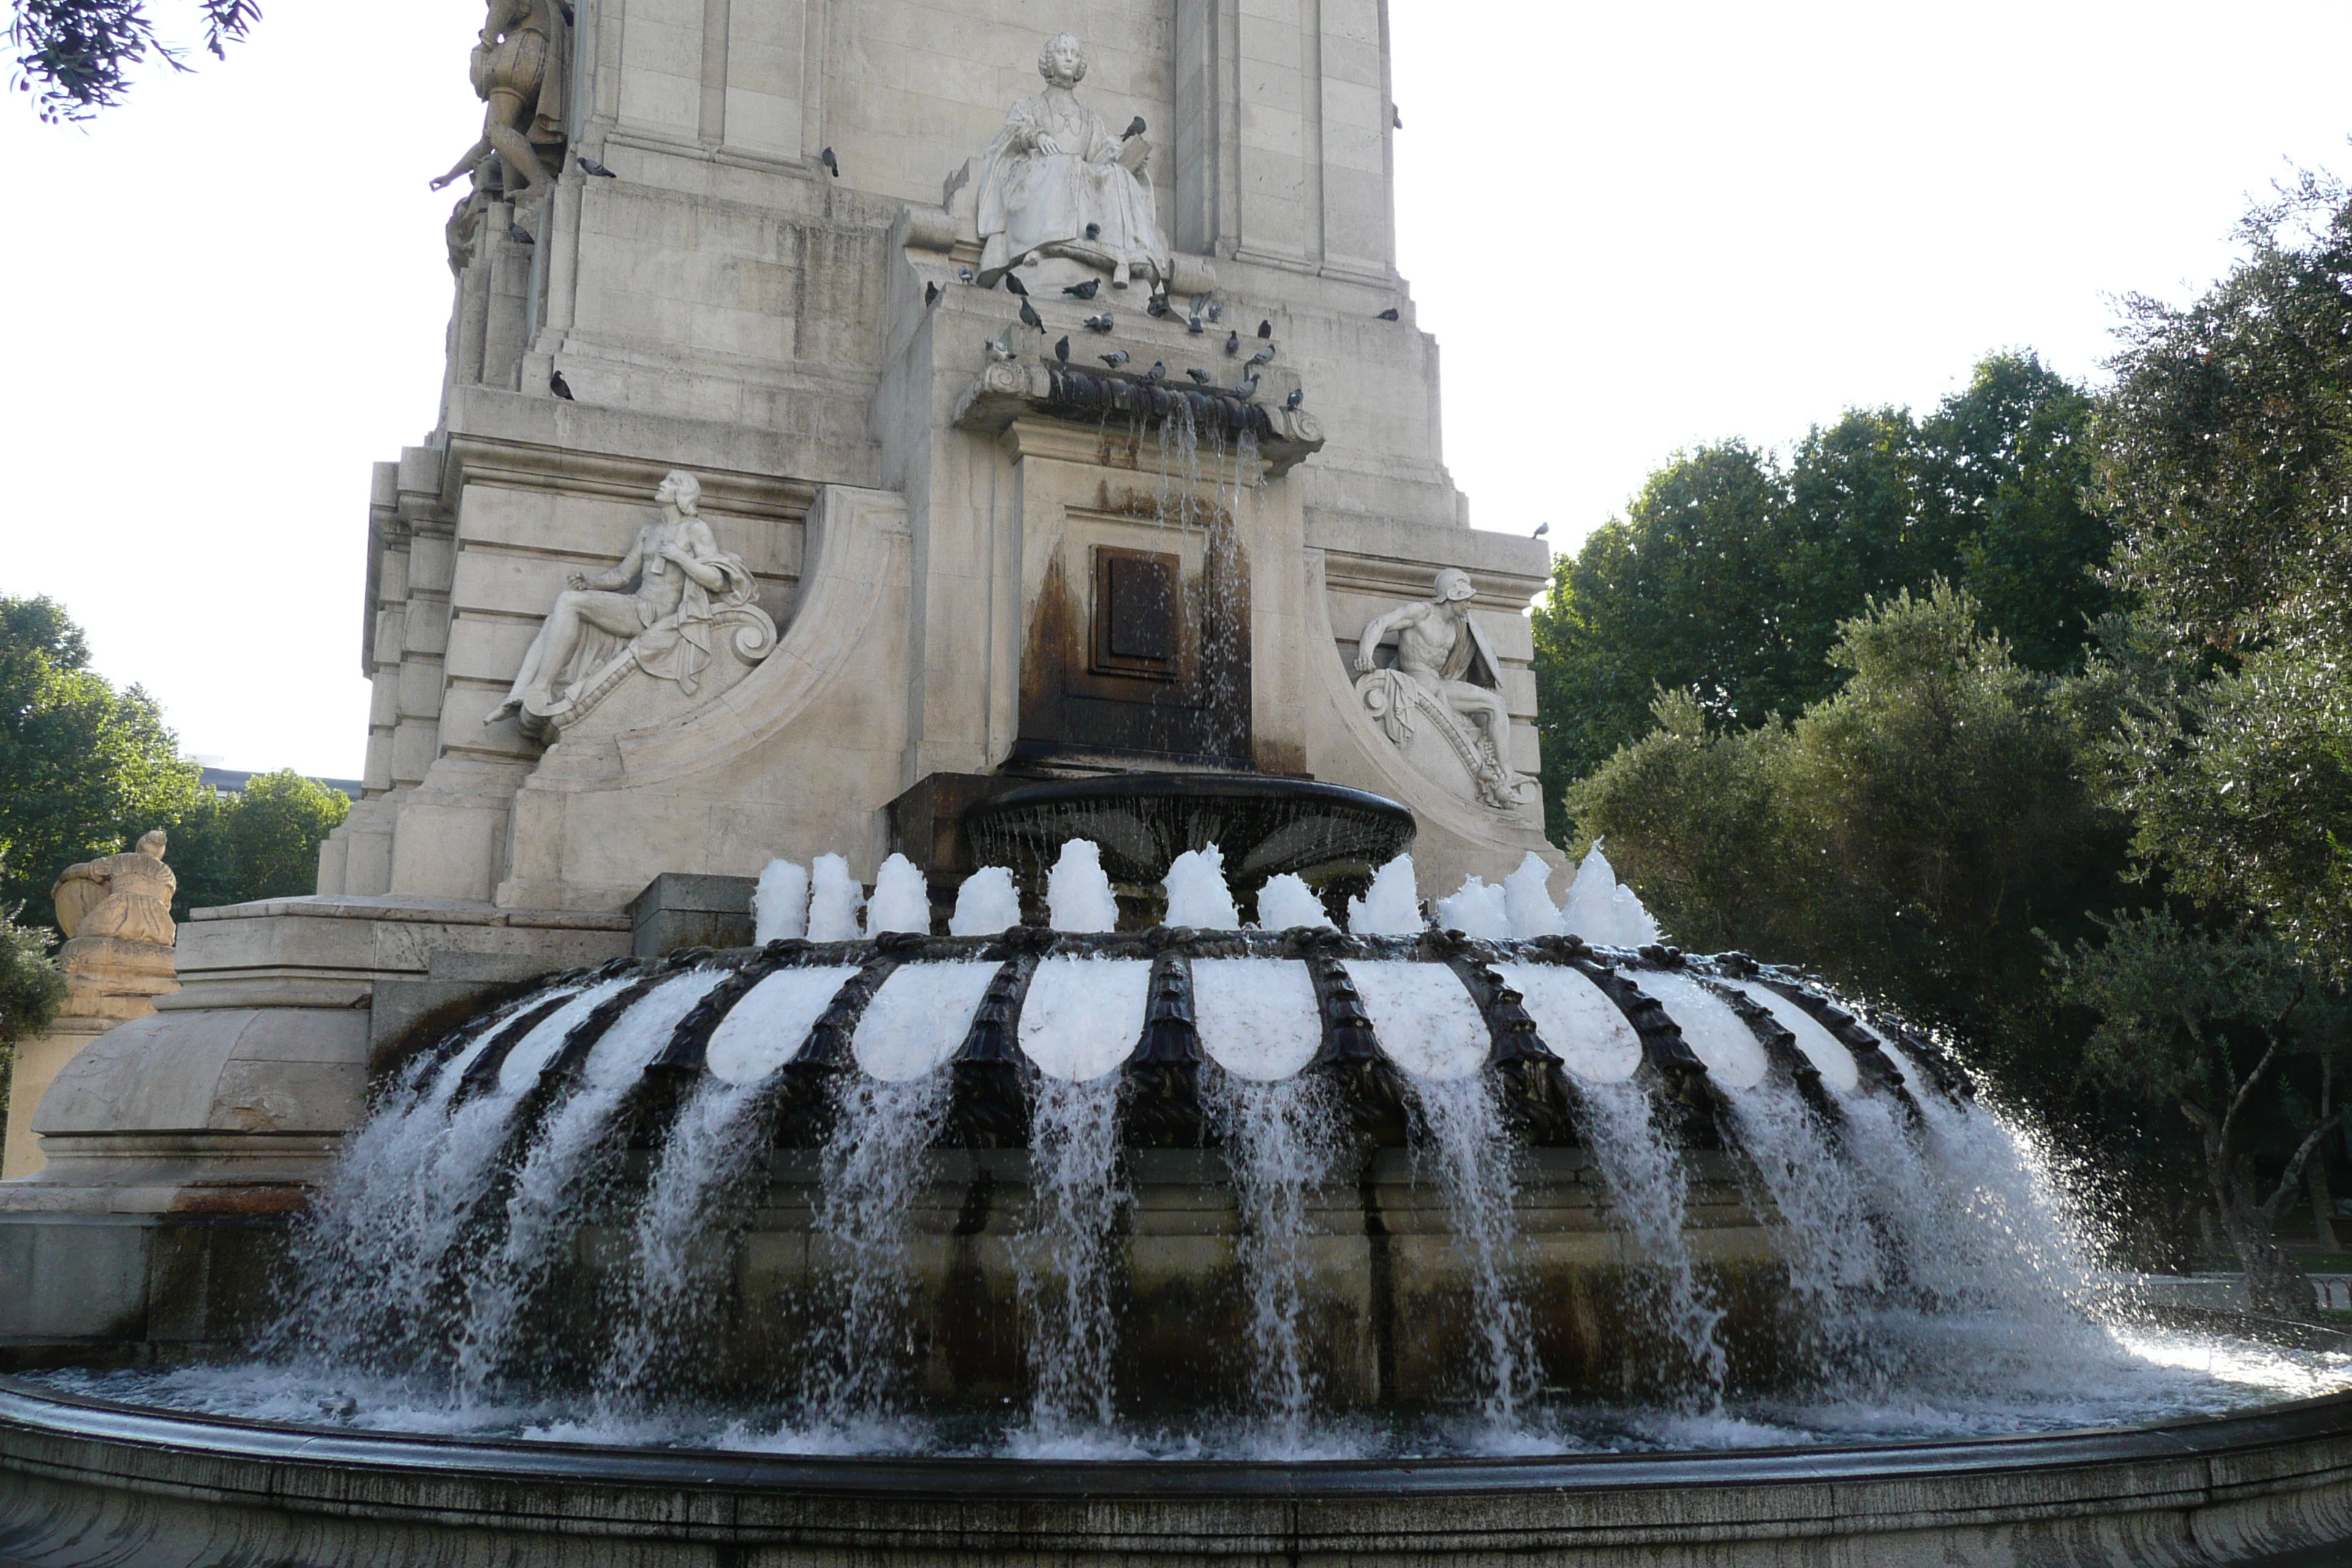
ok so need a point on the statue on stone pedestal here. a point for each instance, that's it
(655, 611)
(1438, 649)
(116, 911)
(128, 897)
(519, 70)
(1057, 183)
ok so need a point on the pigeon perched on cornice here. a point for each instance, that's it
(590, 167)
(1116, 358)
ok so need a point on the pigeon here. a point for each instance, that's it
(1012, 285)
(1396, 117)
(1543, 529)
(1200, 377)
(1030, 317)
(1098, 324)
(1000, 348)
(590, 167)
(1265, 329)
(931, 295)
(1157, 305)
(1135, 127)
(1116, 358)
(1390, 314)
(1297, 396)
(1263, 356)
(1216, 310)
(1093, 231)
(1233, 343)
(519, 233)
(561, 387)
(964, 274)
(1086, 290)
(1062, 351)
(1247, 390)
(1156, 374)
(832, 163)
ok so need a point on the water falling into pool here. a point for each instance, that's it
(890, 1191)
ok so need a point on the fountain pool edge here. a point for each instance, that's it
(161, 1489)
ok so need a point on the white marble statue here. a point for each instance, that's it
(1439, 648)
(655, 611)
(1057, 183)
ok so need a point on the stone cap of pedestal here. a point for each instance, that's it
(1010, 396)
(330, 952)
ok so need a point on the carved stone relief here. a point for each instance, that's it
(1437, 703)
(676, 603)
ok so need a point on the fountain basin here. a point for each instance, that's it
(2272, 1489)
(1144, 821)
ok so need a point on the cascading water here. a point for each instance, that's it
(1065, 1285)
(1648, 1194)
(871, 1165)
(576, 1220)
(1283, 1142)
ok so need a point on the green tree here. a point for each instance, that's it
(261, 843)
(1731, 574)
(2224, 464)
(76, 56)
(84, 768)
(2208, 1022)
(1905, 835)
(2007, 471)
(31, 990)
(1678, 594)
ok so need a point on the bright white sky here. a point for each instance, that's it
(1632, 226)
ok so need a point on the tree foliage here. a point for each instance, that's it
(2226, 468)
(76, 56)
(1904, 834)
(2208, 1021)
(261, 843)
(84, 768)
(1731, 572)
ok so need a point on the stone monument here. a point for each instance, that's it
(116, 913)
(842, 430)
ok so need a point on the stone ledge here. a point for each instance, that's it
(355, 907)
(176, 1490)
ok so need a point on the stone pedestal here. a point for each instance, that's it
(109, 981)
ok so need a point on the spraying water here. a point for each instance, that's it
(901, 901)
(1286, 902)
(1077, 892)
(780, 904)
(1197, 894)
(1476, 910)
(988, 902)
(835, 899)
(1391, 906)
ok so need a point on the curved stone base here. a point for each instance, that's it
(2271, 1488)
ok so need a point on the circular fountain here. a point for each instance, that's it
(1397, 1243)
